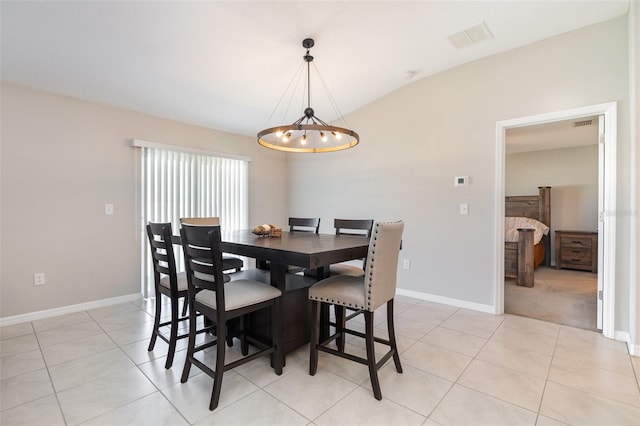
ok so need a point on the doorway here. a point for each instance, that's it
(606, 202)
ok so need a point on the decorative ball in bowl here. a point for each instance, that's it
(263, 229)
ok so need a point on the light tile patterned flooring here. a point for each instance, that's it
(460, 367)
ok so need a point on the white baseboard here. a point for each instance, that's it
(624, 336)
(447, 301)
(48, 313)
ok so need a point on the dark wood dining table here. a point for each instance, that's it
(301, 249)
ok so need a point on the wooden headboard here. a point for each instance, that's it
(533, 206)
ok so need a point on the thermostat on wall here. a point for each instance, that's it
(462, 180)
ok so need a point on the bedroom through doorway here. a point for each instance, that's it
(561, 158)
(582, 174)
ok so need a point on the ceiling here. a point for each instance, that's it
(227, 64)
(559, 134)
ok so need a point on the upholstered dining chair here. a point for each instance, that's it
(366, 293)
(221, 302)
(167, 282)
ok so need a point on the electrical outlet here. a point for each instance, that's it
(38, 278)
(406, 264)
(108, 209)
(464, 209)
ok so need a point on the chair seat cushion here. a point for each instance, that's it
(182, 281)
(346, 269)
(240, 293)
(343, 290)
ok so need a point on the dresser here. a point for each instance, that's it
(577, 250)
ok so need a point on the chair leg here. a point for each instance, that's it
(313, 344)
(277, 357)
(244, 345)
(173, 337)
(156, 322)
(371, 355)
(217, 377)
(185, 306)
(392, 336)
(190, 348)
(340, 313)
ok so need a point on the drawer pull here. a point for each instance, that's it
(576, 242)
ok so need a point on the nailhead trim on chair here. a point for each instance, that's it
(322, 299)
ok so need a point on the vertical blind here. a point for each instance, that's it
(184, 184)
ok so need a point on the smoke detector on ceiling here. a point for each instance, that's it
(471, 35)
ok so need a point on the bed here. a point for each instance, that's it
(527, 235)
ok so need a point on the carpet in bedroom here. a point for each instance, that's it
(558, 295)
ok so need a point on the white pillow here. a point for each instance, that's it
(512, 223)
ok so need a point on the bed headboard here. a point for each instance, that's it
(533, 206)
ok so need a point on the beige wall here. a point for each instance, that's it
(417, 139)
(572, 174)
(62, 160)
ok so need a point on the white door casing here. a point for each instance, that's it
(607, 206)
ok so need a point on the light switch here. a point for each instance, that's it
(108, 209)
(464, 209)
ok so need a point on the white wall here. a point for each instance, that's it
(572, 174)
(417, 139)
(62, 160)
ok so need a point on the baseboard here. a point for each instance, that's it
(48, 313)
(447, 301)
(624, 336)
(633, 349)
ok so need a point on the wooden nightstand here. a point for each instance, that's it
(577, 250)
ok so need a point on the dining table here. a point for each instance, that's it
(305, 250)
(275, 256)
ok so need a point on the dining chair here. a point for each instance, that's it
(366, 294)
(303, 224)
(354, 227)
(228, 262)
(167, 282)
(221, 302)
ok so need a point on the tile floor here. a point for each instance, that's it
(460, 367)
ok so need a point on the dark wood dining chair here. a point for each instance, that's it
(304, 224)
(366, 294)
(221, 302)
(355, 227)
(228, 262)
(167, 282)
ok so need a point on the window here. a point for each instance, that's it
(177, 184)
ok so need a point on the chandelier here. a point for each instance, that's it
(308, 133)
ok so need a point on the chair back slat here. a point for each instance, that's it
(358, 227)
(381, 266)
(302, 224)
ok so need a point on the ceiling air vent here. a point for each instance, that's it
(471, 36)
(582, 123)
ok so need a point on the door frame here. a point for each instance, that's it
(607, 218)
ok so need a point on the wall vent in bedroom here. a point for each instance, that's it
(582, 123)
(471, 35)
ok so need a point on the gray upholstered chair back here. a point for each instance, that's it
(200, 221)
(382, 263)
